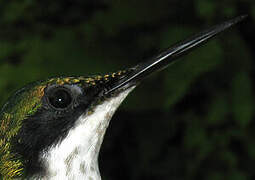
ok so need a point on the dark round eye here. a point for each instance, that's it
(60, 98)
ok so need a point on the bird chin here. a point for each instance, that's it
(76, 156)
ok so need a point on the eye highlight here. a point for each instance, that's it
(59, 97)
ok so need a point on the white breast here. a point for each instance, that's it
(76, 156)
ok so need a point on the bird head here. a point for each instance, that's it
(55, 127)
(41, 114)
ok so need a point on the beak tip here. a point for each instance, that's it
(239, 18)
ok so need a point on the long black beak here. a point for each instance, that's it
(170, 55)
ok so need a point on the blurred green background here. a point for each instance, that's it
(194, 120)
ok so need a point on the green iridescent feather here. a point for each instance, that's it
(24, 103)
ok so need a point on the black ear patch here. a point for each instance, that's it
(61, 106)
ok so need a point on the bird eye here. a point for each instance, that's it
(60, 98)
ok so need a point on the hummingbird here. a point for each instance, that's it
(54, 128)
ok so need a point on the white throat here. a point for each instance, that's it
(76, 157)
